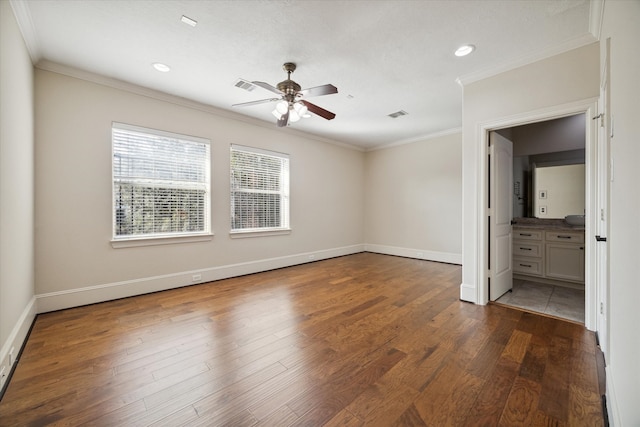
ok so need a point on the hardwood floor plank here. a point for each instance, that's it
(283, 416)
(522, 403)
(358, 340)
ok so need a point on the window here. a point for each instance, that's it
(160, 184)
(259, 190)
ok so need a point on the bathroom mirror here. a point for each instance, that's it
(558, 191)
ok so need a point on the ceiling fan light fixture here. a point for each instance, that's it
(464, 50)
(293, 115)
(300, 108)
(277, 114)
(282, 107)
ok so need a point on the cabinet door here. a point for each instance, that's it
(564, 261)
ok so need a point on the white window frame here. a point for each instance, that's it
(202, 184)
(283, 191)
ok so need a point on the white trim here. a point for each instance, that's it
(133, 242)
(260, 151)
(109, 291)
(243, 234)
(499, 68)
(183, 102)
(27, 28)
(596, 14)
(467, 292)
(157, 132)
(589, 108)
(18, 334)
(416, 139)
(450, 258)
(612, 405)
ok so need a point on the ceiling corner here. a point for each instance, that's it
(596, 13)
(28, 30)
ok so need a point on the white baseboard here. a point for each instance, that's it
(17, 337)
(415, 253)
(468, 293)
(612, 407)
(94, 294)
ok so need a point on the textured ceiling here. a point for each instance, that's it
(383, 56)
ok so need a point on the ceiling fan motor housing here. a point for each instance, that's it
(289, 87)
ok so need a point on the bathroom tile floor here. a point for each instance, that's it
(553, 300)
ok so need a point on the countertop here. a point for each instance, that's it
(549, 224)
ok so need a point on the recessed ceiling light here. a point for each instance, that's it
(163, 68)
(189, 21)
(465, 50)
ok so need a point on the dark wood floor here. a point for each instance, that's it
(364, 339)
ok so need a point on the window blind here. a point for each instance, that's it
(160, 183)
(259, 189)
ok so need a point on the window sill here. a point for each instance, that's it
(163, 240)
(259, 233)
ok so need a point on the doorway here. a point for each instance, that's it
(546, 182)
(589, 109)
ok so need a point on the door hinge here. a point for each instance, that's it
(601, 117)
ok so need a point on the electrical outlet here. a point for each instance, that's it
(543, 210)
(11, 356)
(196, 277)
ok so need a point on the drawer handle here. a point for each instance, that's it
(563, 237)
(525, 265)
(525, 234)
(525, 249)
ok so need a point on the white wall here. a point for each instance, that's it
(559, 80)
(413, 199)
(17, 308)
(75, 263)
(621, 24)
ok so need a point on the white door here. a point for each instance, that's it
(603, 184)
(500, 215)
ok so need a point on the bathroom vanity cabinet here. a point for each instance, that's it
(553, 255)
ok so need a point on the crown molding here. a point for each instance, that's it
(596, 14)
(417, 139)
(77, 73)
(568, 45)
(28, 30)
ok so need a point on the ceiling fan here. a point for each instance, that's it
(291, 107)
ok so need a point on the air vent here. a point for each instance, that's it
(243, 84)
(398, 114)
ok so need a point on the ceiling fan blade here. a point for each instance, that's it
(261, 101)
(268, 87)
(284, 120)
(319, 90)
(318, 110)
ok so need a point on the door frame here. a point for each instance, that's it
(588, 107)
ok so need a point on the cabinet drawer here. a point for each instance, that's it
(527, 234)
(527, 249)
(527, 266)
(561, 236)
